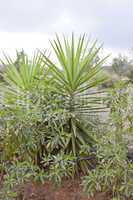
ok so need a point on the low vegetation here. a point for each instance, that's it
(52, 126)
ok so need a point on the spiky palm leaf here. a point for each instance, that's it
(19, 83)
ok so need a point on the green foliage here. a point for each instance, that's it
(120, 101)
(75, 75)
(122, 66)
(49, 126)
(16, 174)
(48, 112)
(46, 107)
(59, 166)
(114, 173)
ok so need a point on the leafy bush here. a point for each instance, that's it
(114, 172)
(16, 174)
(46, 107)
(59, 167)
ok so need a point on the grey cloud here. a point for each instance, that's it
(108, 20)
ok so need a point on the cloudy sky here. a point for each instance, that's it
(29, 24)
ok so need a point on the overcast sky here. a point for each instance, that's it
(30, 23)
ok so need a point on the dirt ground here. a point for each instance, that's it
(70, 190)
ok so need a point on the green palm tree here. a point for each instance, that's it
(20, 91)
(77, 76)
(20, 82)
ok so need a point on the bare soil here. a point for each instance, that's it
(70, 190)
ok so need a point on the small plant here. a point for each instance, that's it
(59, 167)
(16, 174)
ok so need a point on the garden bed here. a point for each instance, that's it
(69, 190)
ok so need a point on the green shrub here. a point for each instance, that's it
(16, 174)
(114, 172)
